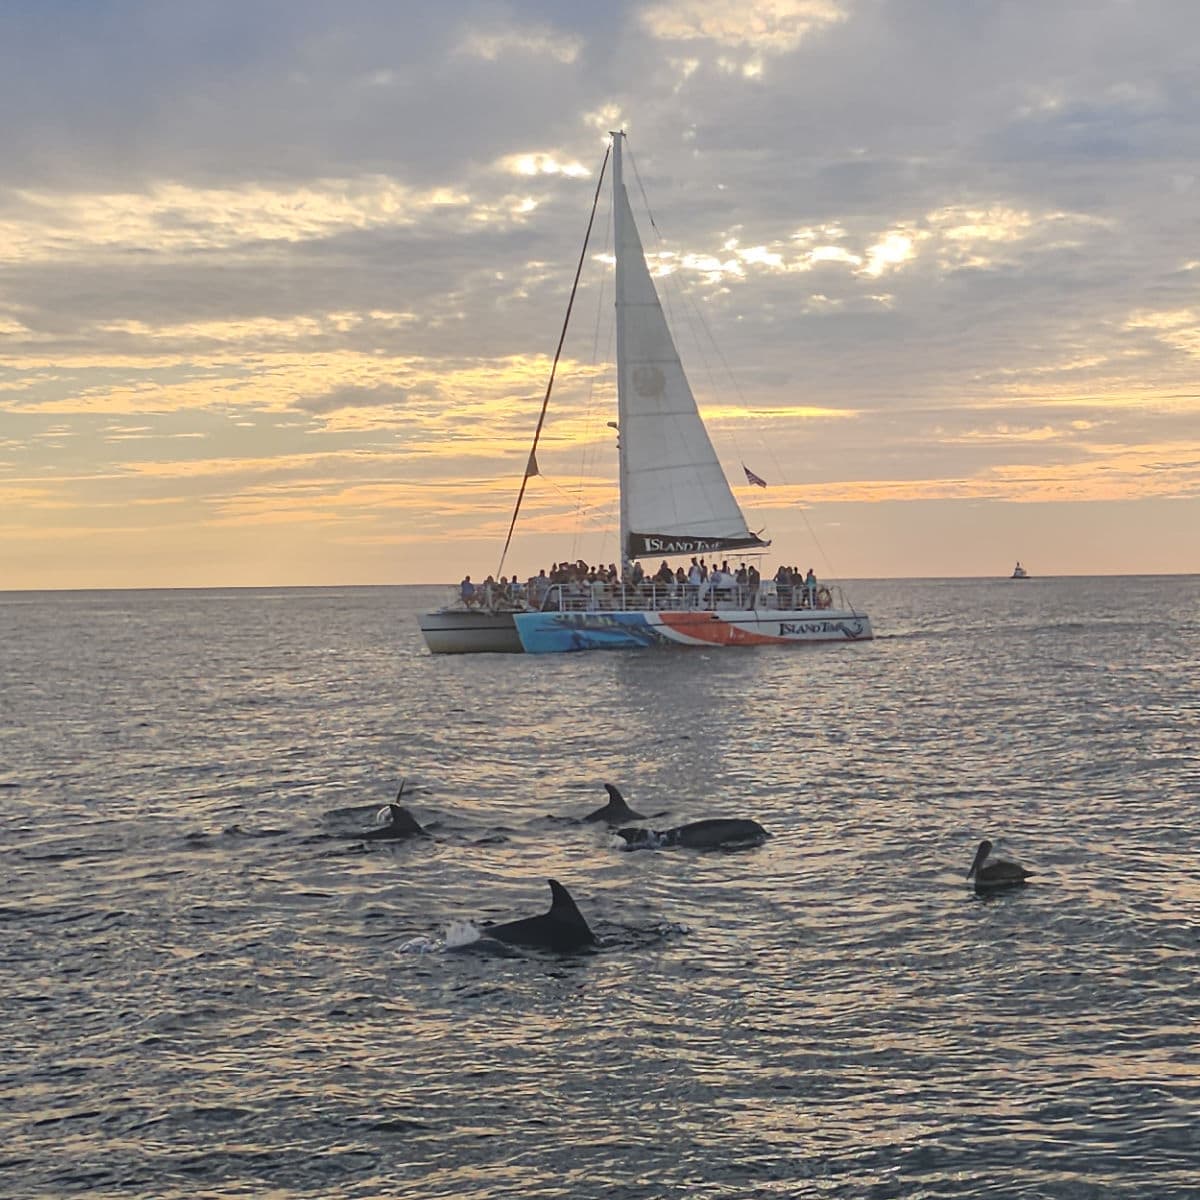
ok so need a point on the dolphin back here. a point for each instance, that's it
(720, 831)
(709, 834)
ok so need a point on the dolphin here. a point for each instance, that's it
(991, 871)
(710, 834)
(562, 928)
(616, 810)
(400, 822)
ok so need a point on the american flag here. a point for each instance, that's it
(752, 478)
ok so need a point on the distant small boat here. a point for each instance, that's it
(1019, 572)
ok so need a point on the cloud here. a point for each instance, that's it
(1178, 328)
(769, 26)
(351, 397)
(540, 41)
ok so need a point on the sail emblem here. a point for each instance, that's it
(649, 381)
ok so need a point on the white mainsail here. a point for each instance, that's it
(675, 498)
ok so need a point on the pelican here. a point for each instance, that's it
(995, 872)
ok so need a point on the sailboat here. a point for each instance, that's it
(675, 503)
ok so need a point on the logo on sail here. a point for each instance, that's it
(644, 544)
(649, 381)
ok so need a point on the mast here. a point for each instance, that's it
(618, 137)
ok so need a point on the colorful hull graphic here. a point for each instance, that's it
(557, 632)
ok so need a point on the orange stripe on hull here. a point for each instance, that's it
(715, 632)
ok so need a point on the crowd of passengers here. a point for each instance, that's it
(569, 584)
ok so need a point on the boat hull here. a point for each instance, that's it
(449, 631)
(557, 632)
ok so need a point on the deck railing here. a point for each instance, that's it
(652, 597)
(701, 598)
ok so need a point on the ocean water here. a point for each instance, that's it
(211, 986)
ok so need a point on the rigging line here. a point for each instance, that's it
(562, 337)
(692, 307)
(812, 533)
(777, 467)
(765, 443)
(665, 295)
(602, 511)
(788, 479)
(670, 283)
(645, 199)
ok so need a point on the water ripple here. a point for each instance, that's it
(213, 987)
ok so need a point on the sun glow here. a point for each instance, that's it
(542, 163)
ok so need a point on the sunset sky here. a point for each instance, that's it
(280, 283)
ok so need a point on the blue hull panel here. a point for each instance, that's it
(556, 632)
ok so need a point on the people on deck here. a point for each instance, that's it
(600, 586)
(783, 586)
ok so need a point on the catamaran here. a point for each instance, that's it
(675, 503)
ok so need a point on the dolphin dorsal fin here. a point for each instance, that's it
(619, 804)
(563, 907)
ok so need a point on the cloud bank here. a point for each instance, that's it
(270, 268)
